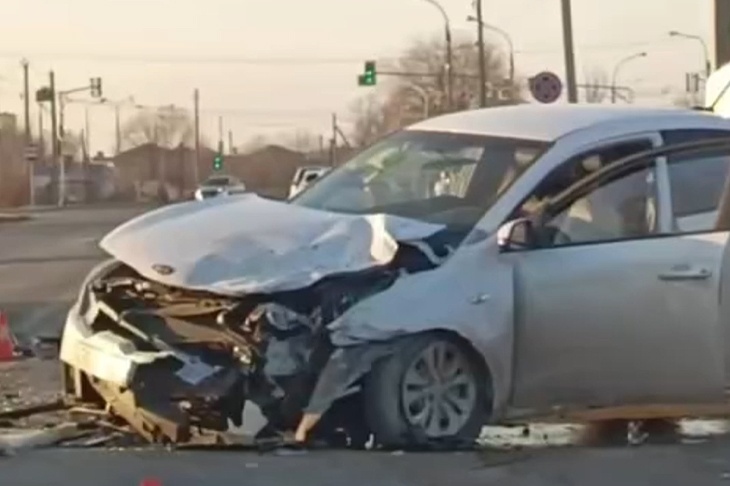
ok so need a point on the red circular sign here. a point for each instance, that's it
(546, 87)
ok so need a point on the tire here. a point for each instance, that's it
(397, 408)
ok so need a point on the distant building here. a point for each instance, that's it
(8, 122)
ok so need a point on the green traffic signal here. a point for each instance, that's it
(218, 162)
(369, 76)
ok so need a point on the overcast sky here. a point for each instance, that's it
(160, 50)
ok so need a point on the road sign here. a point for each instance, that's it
(546, 87)
(31, 152)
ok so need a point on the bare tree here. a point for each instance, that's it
(595, 85)
(167, 127)
(370, 120)
(408, 98)
(300, 140)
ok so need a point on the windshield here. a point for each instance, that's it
(438, 177)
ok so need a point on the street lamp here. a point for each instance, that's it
(616, 69)
(449, 58)
(705, 50)
(507, 39)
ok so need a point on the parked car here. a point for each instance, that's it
(570, 268)
(304, 176)
(223, 185)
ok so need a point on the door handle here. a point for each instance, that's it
(686, 272)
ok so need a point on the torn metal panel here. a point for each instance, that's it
(345, 367)
(475, 300)
(280, 247)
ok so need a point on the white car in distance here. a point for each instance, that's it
(223, 185)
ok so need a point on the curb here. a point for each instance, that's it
(13, 218)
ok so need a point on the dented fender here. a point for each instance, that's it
(471, 295)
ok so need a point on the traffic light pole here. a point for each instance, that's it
(95, 87)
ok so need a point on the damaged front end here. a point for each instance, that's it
(179, 365)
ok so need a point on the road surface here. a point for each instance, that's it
(700, 464)
(42, 263)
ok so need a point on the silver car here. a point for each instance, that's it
(574, 266)
(223, 185)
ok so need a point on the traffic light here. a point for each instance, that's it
(369, 75)
(95, 86)
(218, 161)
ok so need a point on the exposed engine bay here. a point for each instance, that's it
(223, 351)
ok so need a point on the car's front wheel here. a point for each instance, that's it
(432, 389)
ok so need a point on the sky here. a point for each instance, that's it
(269, 66)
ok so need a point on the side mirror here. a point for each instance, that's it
(518, 234)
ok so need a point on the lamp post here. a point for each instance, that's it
(449, 55)
(705, 50)
(616, 69)
(507, 39)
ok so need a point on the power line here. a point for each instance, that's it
(165, 59)
(284, 60)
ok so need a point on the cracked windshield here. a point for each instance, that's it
(333, 242)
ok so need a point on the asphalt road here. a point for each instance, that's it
(700, 464)
(42, 263)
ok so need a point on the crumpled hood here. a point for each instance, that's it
(248, 244)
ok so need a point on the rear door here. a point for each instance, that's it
(620, 307)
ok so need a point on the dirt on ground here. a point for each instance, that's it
(30, 382)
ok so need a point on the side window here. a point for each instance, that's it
(578, 167)
(673, 137)
(696, 183)
(620, 208)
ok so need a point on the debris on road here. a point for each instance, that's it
(21, 412)
(15, 440)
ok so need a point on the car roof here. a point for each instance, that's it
(547, 123)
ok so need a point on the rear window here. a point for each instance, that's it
(218, 181)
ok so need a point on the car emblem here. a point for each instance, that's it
(163, 269)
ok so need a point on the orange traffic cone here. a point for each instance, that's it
(7, 343)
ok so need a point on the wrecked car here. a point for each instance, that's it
(571, 262)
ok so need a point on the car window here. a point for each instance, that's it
(614, 209)
(685, 135)
(578, 167)
(696, 183)
(218, 181)
(442, 177)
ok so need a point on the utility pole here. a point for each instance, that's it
(482, 61)
(220, 135)
(87, 138)
(117, 131)
(722, 32)
(196, 102)
(26, 99)
(569, 52)
(54, 124)
(333, 141)
(30, 163)
(230, 142)
(41, 145)
(62, 165)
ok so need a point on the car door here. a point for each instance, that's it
(618, 308)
